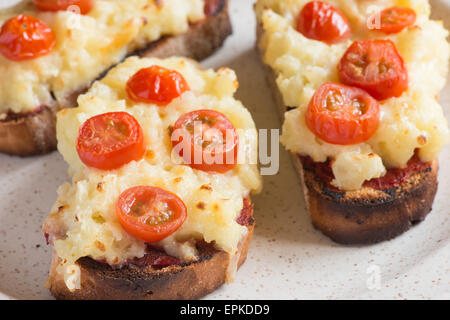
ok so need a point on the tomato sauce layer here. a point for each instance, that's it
(393, 177)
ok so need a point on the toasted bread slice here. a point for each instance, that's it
(34, 133)
(29, 134)
(193, 280)
(367, 215)
(114, 269)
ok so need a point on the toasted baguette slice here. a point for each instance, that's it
(98, 257)
(181, 281)
(367, 215)
(34, 133)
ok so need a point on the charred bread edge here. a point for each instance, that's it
(186, 281)
(367, 220)
(34, 133)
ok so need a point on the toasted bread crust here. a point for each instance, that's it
(189, 281)
(366, 216)
(34, 133)
(201, 41)
(29, 134)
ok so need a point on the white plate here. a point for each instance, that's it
(288, 259)
(8, 3)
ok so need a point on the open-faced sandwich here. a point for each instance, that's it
(162, 160)
(358, 84)
(52, 50)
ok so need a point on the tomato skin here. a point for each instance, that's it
(226, 155)
(395, 19)
(110, 140)
(323, 22)
(342, 115)
(375, 66)
(61, 5)
(156, 85)
(136, 207)
(24, 37)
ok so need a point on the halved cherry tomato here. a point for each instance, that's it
(375, 66)
(108, 141)
(343, 115)
(24, 37)
(60, 5)
(149, 213)
(157, 85)
(206, 140)
(395, 19)
(321, 21)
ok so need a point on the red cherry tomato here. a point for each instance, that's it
(61, 5)
(110, 140)
(206, 140)
(375, 66)
(323, 22)
(342, 115)
(157, 85)
(395, 19)
(149, 213)
(24, 37)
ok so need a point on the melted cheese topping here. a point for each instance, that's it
(84, 211)
(86, 45)
(413, 120)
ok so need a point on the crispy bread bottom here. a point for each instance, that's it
(192, 280)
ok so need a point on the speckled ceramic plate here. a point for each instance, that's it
(288, 259)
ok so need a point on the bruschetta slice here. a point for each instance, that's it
(163, 160)
(356, 83)
(74, 42)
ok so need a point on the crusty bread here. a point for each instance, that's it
(181, 281)
(30, 134)
(34, 133)
(367, 215)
